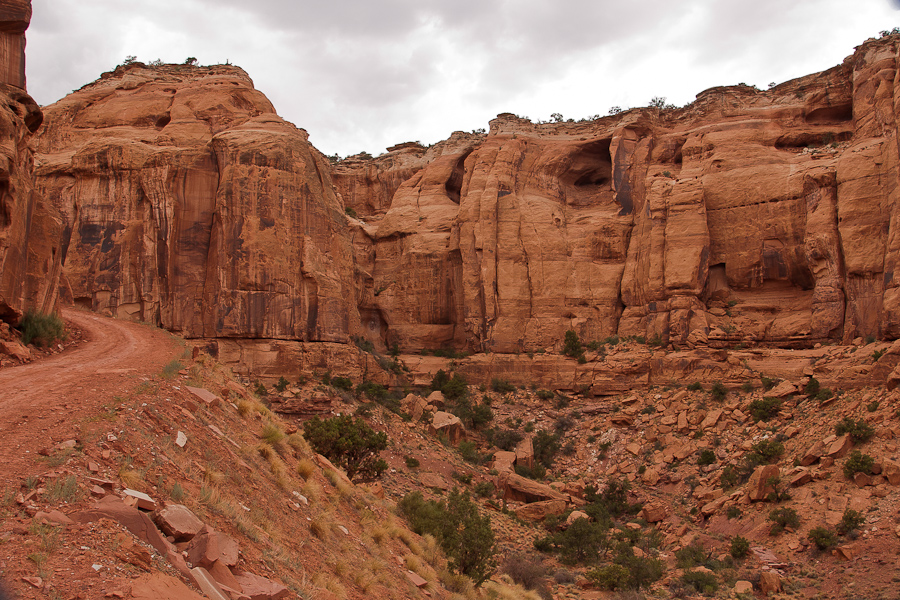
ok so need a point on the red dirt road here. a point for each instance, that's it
(43, 403)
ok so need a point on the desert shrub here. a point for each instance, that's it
(823, 538)
(474, 415)
(464, 535)
(695, 387)
(695, 555)
(765, 409)
(718, 391)
(782, 518)
(342, 383)
(455, 388)
(740, 547)
(765, 452)
(469, 452)
(812, 387)
(261, 390)
(282, 384)
(538, 472)
(572, 345)
(823, 394)
(878, 354)
(484, 489)
(627, 571)
(545, 445)
(733, 512)
(544, 394)
(580, 543)
(527, 570)
(505, 439)
(411, 462)
(850, 521)
(858, 462)
(502, 386)
(563, 577)
(464, 478)
(747, 387)
(349, 443)
(873, 405)
(706, 457)
(768, 382)
(858, 429)
(612, 501)
(41, 329)
(705, 583)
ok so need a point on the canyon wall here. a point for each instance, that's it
(30, 251)
(189, 203)
(746, 217)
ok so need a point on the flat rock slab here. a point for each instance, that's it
(160, 586)
(178, 521)
(260, 588)
(205, 396)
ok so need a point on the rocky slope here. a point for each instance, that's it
(30, 250)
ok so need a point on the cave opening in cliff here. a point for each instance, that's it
(830, 114)
(163, 121)
(454, 183)
(591, 165)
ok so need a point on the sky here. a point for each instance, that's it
(362, 75)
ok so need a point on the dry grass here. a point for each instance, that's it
(506, 589)
(272, 433)
(299, 444)
(64, 489)
(129, 477)
(312, 490)
(305, 468)
(321, 525)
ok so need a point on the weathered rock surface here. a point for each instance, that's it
(178, 521)
(188, 202)
(30, 229)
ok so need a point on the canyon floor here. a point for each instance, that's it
(124, 417)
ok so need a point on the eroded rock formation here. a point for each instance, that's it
(747, 216)
(30, 249)
(190, 203)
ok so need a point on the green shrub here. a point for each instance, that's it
(538, 472)
(171, 369)
(859, 430)
(464, 535)
(610, 577)
(858, 462)
(349, 443)
(873, 405)
(705, 583)
(455, 388)
(342, 383)
(718, 391)
(765, 409)
(695, 555)
(823, 538)
(505, 439)
(768, 382)
(545, 445)
(41, 329)
(765, 452)
(878, 354)
(261, 390)
(740, 547)
(484, 489)
(475, 416)
(850, 521)
(782, 518)
(812, 387)
(282, 384)
(502, 386)
(469, 452)
(747, 387)
(544, 394)
(707, 457)
(572, 345)
(464, 478)
(411, 462)
(823, 394)
(581, 542)
(733, 512)
(627, 571)
(695, 387)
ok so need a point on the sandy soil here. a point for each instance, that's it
(42, 403)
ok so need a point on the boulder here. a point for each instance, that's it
(891, 471)
(813, 454)
(575, 515)
(520, 489)
(785, 388)
(159, 586)
(760, 485)
(839, 447)
(538, 511)
(504, 461)
(436, 398)
(209, 546)
(444, 423)
(177, 521)
(769, 582)
(16, 350)
(260, 588)
(654, 512)
(525, 453)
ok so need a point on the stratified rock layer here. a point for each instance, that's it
(190, 203)
(761, 216)
(747, 215)
(30, 249)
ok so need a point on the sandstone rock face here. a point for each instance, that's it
(15, 15)
(188, 202)
(749, 215)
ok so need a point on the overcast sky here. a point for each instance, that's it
(367, 74)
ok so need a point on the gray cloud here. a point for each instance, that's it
(364, 75)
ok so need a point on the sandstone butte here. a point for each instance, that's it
(748, 216)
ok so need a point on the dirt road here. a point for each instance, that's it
(43, 402)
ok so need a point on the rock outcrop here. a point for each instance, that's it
(188, 202)
(30, 229)
(746, 216)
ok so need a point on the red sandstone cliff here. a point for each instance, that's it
(29, 228)
(745, 216)
(190, 203)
